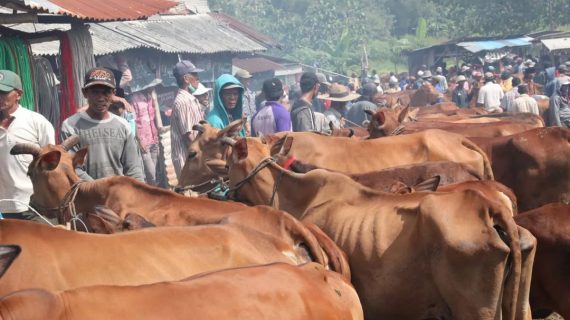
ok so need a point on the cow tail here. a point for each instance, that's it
(302, 235)
(487, 169)
(505, 222)
(337, 259)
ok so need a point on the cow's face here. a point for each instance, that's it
(208, 148)
(246, 154)
(382, 123)
(52, 170)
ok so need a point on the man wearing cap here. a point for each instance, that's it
(112, 148)
(490, 95)
(273, 117)
(356, 114)
(203, 95)
(248, 95)
(339, 96)
(460, 96)
(442, 81)
(302, 113)
(186, 112)
(319, 104)
(551, 87)
(228, 102)
(146, 129)
(18, 125)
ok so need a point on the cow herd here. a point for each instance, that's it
(438, 213)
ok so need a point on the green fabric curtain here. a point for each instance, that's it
(15, 55)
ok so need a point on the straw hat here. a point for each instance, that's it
(338, 92)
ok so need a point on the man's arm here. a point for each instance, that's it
(130, 158)
(282, 120)
(554, 112)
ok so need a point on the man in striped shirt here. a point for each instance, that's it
(186, 112)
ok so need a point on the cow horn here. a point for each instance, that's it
(70, 142)
(228, 141)
(25, 148)
(198, 127)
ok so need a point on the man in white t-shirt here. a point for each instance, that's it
(490, 95)
(18, 125)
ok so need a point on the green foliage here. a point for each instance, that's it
(333, 33)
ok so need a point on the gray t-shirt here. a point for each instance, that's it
(112, 148)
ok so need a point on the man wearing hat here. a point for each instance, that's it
(112, 148)
(460, 96)
(249, 109)
(203, 95)
(490, 95)
(18, 125)
(551, 87)
(339, 96)
(186, 113)
(302, 113)
(273, 117)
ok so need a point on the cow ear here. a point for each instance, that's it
(240, 149)
(8, 253)
(286, 147)
(135, 221)
(428, 185)
(50, 160)
(79, 157)
(100, 225)
(403, 114)
(232, 129)
(380, 119)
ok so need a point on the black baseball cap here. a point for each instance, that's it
(308, 81)
(99, 76)
(272, 89)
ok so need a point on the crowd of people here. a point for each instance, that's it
(122, 135)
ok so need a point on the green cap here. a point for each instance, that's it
(9, 81)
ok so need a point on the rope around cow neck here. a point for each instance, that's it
(260, 166)
(67, 202)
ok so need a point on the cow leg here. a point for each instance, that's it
(528, 251)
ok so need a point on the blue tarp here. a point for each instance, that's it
(478, 46)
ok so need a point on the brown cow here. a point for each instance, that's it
(412, 256)
(550, 289)
(410, 175)
(273, 291)
(534, 164)
(206, 148)
(361, 156)
(426, 95)
(56, 186)
(57, 259)
(385, 123)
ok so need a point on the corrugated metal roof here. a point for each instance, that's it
(99, 10)
(246, 29)
(556, 44)
(478, 46)
(198, 34)
(256, 65)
